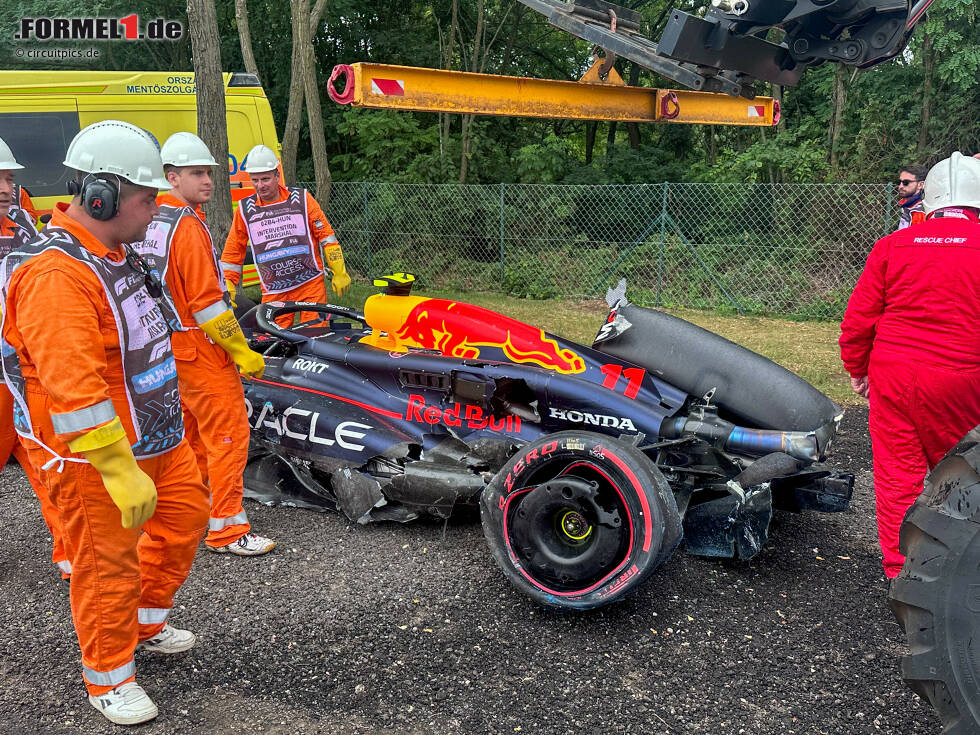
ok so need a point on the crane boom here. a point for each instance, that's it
(720, 56)
(383, 86)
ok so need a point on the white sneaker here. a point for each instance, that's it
(250, 544)
(127, 704)
(168, 640)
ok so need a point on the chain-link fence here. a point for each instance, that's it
(790, 249)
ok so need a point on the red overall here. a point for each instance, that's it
(912, 326)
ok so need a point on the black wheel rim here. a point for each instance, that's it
(569, 529)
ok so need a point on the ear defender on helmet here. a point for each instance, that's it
(100, 198)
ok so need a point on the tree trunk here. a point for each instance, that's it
(111, 59)
(466, 139)
(769, 169)
(591, 126)
(464, 158)
(245, 36)
(838, 100)
(634, 128)
(314, 117)
(446, 119)
(611, 137)
(712, 147)
(777, 94)
(290, 135)
(202, 21)
(508, 53)
(928, 66)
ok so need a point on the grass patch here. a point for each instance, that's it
(807, 348)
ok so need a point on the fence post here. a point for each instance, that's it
(889, 199)
(367, 229)
(503, 270)
(660, 255)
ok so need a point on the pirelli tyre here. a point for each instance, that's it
(577, 520)
(936, 598)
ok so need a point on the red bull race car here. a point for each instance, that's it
(589, 465)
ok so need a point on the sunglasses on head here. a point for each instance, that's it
(906, 182)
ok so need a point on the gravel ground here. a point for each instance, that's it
(412, 629)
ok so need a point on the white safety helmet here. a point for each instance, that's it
(953, 182)
(116, 147)
(260, 158)
(7, 160)
(186, 149)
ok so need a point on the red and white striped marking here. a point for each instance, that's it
(388, 87)
(757, 110)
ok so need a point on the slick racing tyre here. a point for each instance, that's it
(936, 598)
(577, 520)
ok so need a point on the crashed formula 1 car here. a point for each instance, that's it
(589, 464)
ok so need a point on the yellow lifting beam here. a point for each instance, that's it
(387, 87)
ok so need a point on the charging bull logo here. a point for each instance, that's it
(459, 330)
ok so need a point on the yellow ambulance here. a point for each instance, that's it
(41, 111)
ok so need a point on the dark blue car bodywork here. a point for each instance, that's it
(384, 435)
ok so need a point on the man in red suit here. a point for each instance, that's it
(910, 340)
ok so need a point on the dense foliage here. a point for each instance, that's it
(916, 108)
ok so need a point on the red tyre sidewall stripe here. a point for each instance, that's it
(644, 505)
(626, 558)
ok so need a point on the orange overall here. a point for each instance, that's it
(315, 291)
(211, 392)
(27, 204)
(123, 582)
(10, 443)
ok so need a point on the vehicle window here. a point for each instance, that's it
(160, 122)
(39, 141)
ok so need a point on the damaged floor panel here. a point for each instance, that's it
(400, 486)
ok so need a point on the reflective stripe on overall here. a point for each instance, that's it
(282, 245)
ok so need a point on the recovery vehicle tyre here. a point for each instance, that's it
(577, 520)
(936, 597)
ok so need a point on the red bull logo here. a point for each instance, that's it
(470, 416)
(460, 330)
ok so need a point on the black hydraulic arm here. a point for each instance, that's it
(738, 42)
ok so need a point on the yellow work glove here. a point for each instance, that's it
(226, 333)
(231, 292)
(335, 261)
(133, 492)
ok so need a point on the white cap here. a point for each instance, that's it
(953, 182)
(186, 149)
(7, 160)
(116, 147)
(260, 158)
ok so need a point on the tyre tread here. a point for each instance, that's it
(935, 536)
